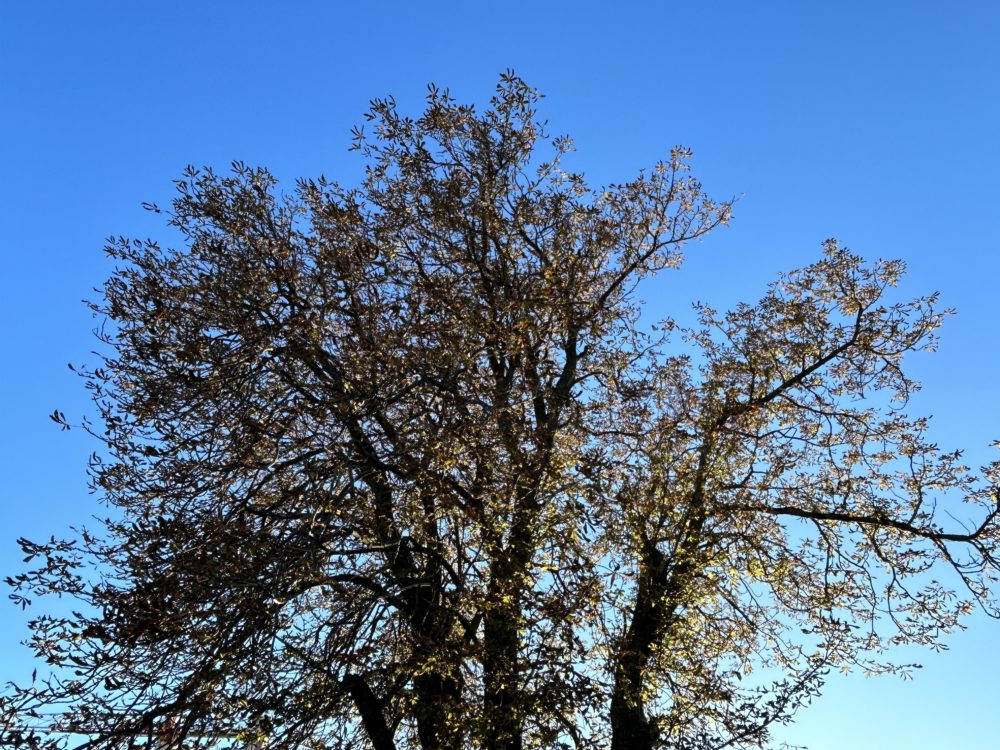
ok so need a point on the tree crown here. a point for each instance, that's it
(396, 465)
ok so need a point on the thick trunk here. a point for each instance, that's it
(502, 706)
(631, 729)
(663, 586)
(438, 685)
(437, 697)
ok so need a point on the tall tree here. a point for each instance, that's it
(396, 466)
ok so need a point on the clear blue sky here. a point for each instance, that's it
(875, 122)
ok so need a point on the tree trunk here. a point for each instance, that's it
(437, 697)
(502, 709)
(503, 704)
(630, 727)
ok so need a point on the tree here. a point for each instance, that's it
(397, 466)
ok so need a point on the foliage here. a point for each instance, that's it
(395, 466)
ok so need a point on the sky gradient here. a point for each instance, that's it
(875, 123)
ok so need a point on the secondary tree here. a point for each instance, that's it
(397, 466)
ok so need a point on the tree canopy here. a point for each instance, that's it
(398, 466)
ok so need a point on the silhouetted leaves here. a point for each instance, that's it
(393, 466)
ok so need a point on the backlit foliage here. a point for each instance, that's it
(395, 466)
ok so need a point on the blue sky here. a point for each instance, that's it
(874, 122)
